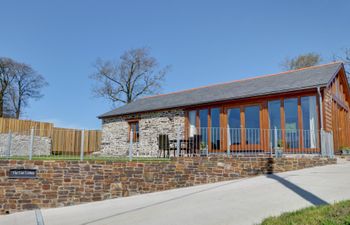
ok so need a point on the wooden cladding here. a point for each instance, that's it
(68, 141)
(336, 111)
(327, 110)
(24, 126)
(339, 89)
(64, 141)
(341, 127)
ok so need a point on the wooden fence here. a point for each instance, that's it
(63, 140)
(69, 141)
(42, 129)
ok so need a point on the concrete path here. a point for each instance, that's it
(245, 201)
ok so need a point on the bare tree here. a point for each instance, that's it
(301, 61)
(26, 85)
(135, 75)
(7, 75)
(345, 57)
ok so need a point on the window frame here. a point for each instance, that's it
(136, 135)
(264, 116)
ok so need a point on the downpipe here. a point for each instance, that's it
(321, 119)
(321, 106)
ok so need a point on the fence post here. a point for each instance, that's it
(178, 142)
(31, 143)
(130, 146)
(82, 145)
(9, 140)
(228, 136)
(275, 144)
(331, 145)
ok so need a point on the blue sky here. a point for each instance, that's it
(205, 42)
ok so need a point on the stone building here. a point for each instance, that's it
(301, 105)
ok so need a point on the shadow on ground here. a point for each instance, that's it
(308, 196)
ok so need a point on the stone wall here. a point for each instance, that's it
(20, 145)
(62, 183)
(115, 132)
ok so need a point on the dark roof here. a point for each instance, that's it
(293, 80)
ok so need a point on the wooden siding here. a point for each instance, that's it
(336, 108)
(68, 141)
(327, 110)
(24, 126)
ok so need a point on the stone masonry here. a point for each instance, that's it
(20, 145)
(62, 183)
(115, 132)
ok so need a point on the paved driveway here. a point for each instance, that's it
(245, 201)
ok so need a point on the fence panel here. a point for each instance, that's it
(92, 141)
(68, 141)
(7, 125)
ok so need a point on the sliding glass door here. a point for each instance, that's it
(291, 123)
(252, 125)
(243, 125)
(215, 132)
(274, 109)
(309, 120)
(192, 117)
(234, 126)
(287, 123)
(203, 127)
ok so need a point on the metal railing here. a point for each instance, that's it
(202, 141)
(60, 144)
(248, 141)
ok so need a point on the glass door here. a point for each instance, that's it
(243, 124)
(203, 128)
(234, 133)
(215, 131)
(252, 127)
(291, 121)
(275, 132)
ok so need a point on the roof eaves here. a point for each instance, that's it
(104, 116)
(341, 65)
(249, 78)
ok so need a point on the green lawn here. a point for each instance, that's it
(337, 214)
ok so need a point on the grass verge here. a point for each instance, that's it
(336, 214)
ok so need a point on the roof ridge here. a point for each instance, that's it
(245, 79)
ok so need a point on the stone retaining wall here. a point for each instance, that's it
(20, 145)
(62, 183)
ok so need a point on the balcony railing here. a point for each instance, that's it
(239, 141)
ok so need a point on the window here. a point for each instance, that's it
(203, 125)
(274, 108)
(192, 123)
(291, 122)
(234, 125)
(134, 129)
(215, 128)
(252, 124)
(308, 108)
